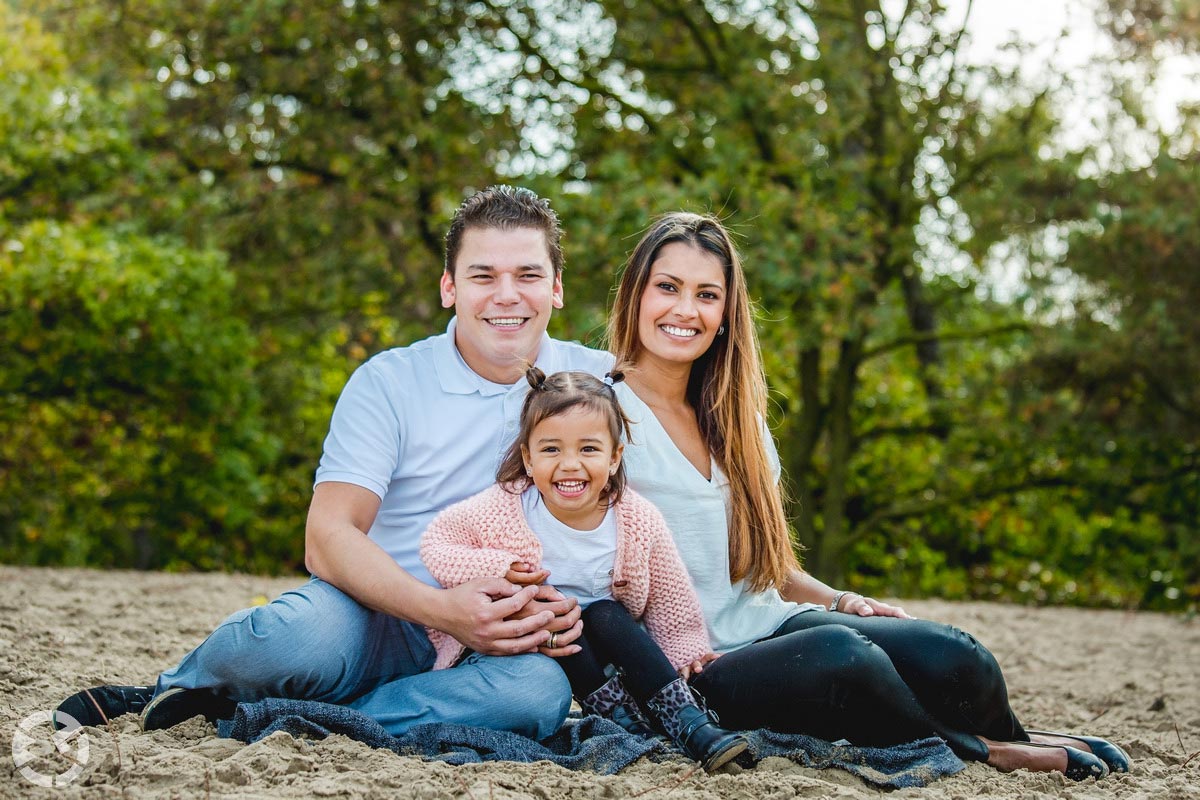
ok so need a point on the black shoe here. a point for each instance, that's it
(1112, 755)
(179, 705)
(1080, 765)
(613, 701)
(693, 727)
(631, 718)
(703, 741)
(98, 705)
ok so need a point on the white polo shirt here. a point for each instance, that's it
(416, 426)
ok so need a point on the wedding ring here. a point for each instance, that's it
(553, 643)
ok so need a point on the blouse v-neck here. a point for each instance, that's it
(714, 471)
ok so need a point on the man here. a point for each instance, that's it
(416, 429)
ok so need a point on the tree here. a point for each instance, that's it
(129, 426)
(829, 135)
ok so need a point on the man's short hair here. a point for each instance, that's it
(506, 208)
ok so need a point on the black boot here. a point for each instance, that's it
(694, 728)
(613, 701)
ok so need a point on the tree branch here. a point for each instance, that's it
(943, 336)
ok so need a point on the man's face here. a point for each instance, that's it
(502, 291)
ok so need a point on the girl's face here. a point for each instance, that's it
(683, 304)
(572, 455)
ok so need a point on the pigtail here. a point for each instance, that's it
(536, 378)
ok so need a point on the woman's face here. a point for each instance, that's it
(682, 305)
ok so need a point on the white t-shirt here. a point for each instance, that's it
(416, 426)
(696, 511)
(580, 562)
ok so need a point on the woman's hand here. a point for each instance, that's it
(697, 666)
(870, 607)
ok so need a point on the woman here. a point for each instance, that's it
(797, 655)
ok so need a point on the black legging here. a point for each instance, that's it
(612, 636)
(871, 680)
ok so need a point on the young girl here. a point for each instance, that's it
(601, 544)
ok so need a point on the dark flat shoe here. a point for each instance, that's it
(1080, 765)
(179, 705)
(1112, 755)
(99, 704)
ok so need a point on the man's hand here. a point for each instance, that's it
(494, 617)
(564, 628)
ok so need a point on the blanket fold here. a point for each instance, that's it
(588, 743)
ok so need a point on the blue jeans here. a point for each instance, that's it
(318, 643)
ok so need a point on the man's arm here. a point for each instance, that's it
(337, 549)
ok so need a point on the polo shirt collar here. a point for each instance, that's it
(456, 377)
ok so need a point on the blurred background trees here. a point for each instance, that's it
(974, 315)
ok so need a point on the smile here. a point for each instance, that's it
(685, 332)
(571, 488)
(507, 323)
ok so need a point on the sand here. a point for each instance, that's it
(1132, 677)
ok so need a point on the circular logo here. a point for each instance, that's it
(37, 743)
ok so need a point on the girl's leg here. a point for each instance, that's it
(584, 669)
(829, 681)
(650, 678)
(618, 639)
(954, 677)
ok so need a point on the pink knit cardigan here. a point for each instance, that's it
(483, 535)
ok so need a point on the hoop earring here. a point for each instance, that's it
(721, 330)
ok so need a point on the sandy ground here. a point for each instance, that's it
(1133, 677)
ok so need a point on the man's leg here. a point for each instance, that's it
(312, 643)
(526, 694)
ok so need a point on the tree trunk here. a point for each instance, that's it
(806, 432)
(829, 566)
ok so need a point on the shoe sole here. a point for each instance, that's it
(725, 756)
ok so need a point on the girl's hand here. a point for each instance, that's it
(697, 666)
(522, 574)
(870, 607)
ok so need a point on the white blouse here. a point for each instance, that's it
(696, 510)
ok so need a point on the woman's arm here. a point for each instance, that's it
(804, 588)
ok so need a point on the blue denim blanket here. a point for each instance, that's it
(590, 743)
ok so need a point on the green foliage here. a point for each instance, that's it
(130, 427)
(259, 191)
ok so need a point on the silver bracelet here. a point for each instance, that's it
(837, 598)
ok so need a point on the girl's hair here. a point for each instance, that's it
(558, 394)
(728, 391)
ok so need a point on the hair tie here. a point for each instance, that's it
(614, 377)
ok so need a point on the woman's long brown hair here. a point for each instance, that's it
(727, 390)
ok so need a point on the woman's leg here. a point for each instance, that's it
(830, 681)
(954, 677)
